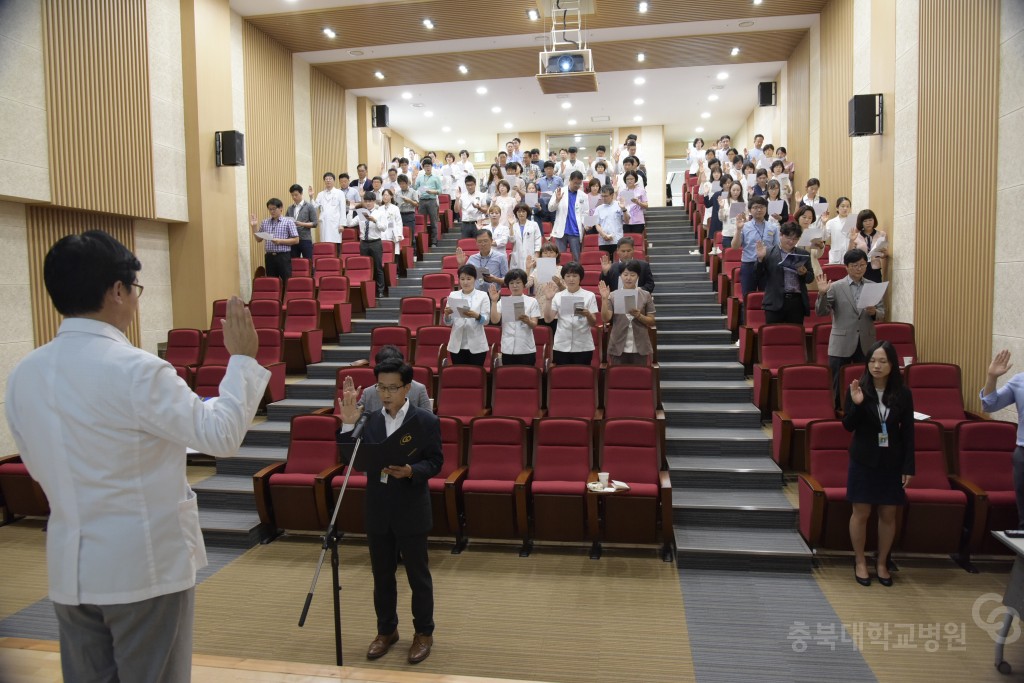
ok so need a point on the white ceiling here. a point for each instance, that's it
(675, 98)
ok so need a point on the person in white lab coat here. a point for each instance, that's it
(103, 426)
(525, 237)
(330, 205)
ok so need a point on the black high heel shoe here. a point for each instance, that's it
(885, 582)
(863, 582)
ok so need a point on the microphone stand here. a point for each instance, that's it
(331, 542)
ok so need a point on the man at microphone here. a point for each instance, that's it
(398, 515)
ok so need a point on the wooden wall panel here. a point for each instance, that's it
(97, 106)
(959, 93)
(835, 167)
(327, 109)
(269, 125)
(47, 225)
(798, 108)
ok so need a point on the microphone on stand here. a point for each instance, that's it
(357, 431)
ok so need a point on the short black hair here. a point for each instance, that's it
(388, 351)
(275, 202)
(757, 201)
(468, 269)
(482, 231)
(80, 269)
(575, 175)
(377, 178)
(572, 268)
(549, 164)
(329, 175)
(572, 150)
(521, 206)
(635, 175)
(853, 256)
(360, 166)
(626, 240)
(600, 162)
(369, 197)
(791, 230)
(463, 151)
(602, 148)
(343, 175)
(395, 366)
(516, 274)
(403, 160)
(295, 188)
(812, 182)
(470, 179)
(779, 164)
(633, 266)
(426, 162)
(403, 178)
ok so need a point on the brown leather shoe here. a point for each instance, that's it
(381, 644)
(420, 649)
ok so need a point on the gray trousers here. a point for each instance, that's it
(150, 640)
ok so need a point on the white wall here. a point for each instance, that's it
(652, 140)
(24, 144)
(860, 147)
(241, 175)
(303, 123)
(16, 332)
(155, 310)
(1007, 322)
(167, 105)
(905, 169)
(814, 88)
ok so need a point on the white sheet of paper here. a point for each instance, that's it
(567, 307)
(623, 300)
(751, 180)
(512, 307)
(782, 177)
(547, 268)
(593, 201)
(264, 235)
(775, 207)
(361, 211)
(736, 208)
(880, 244)
(590, 221)
(626, 196)
(531, 199)
(920, 416)
(810, 234)
(871, 293)
(716, 187)
(819, 208)
(457, 303)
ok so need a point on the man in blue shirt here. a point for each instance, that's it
(993, 399)
(491, 265)
(546, 186)
(569, 209)
(756, 230)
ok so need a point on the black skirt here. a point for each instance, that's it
(874, 485)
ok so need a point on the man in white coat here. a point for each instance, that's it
(103, 426)
(570, 206)
(330, 205)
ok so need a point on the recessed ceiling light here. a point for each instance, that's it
(638, 101)
(496, 110)
(508, 125)
(600, 119)
(758, 2)
(566, 105)
(329, 33)
(638, 118)
(379, 75)
(581, 149)
(640, 56)
(572, 122)
(699, 129)
(533, 14)
(577, 138)
(722, 75)
(460, 141)
(735, 51)
(463, 69)
(407, 96)
(746, 24)
(428, 23)
(706, 115)
(356, 53)
(428, 114)
(718, 87)
(446, 129)
(712, 97)
(642, 8)
(481, 90)
(639, 80)
(563, 96)
(418, 105)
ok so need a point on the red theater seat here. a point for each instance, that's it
(271, 356)
(298, 287)
(933, 519)
(984, 460)
(778, 345)
(462, 392)
(266, 288)
(20, 494)
(446, 522)
(266, 313)
(437, 286)
(517, 393)
(335, 308)
(824, 510)
(572, 392)
(303, 338)
(805, 394)
(417, 312)
(184, 351)
(937, 393)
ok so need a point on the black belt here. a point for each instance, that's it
(279, 253)
(792, 295)
(369, 241)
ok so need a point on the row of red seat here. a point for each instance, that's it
(949, 509)
(498, 486)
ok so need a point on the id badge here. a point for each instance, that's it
(383, 477)
(883, 437)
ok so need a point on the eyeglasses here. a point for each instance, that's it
(381, 389)
(136, 284)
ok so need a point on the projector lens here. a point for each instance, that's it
(565, 63)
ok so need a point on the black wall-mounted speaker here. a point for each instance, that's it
(230, 146)
(379, 116)
(865, 115)
(766, 94)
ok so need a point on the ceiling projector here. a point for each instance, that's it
(566, 71)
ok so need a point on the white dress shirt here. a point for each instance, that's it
(516, 336)
(569, 166)
(468, 333)
(573, 331)
(370, 230)
(469, 211)
(526, 240)
(391, 424)
(837, 232)
(103, 427)
(331, 207)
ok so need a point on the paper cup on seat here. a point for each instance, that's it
(603, 478)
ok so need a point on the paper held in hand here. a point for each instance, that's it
(593, 201)
(808, 235)
(736, 208)
(547, 268)
(775, 207)
(459, 306)
(590, 221)
(880, 244)
(264, 235)
(511, 308)
(531, 199)
(871, 293)
(624, 301)
(568, 305)
(819, 208)
(626, 196)
(751, 180)
(716, 187)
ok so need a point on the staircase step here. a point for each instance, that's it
(693, 352)
(268, 434)
(734, 391)
(290, 407)
(669, 337)
(251, 459)
(760, 549)
(329, 370)
(350, 352)
(696, 370)
(315, 389)
(717, 471)
(687, 441)
(710, 414)
(735, 507)
(226, 492)
(231, 528)
(369, 324)
(689, 322)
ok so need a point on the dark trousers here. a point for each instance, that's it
(519, 358)
(304, 249)
(792, 311)
(409, 220)
(726, 242)
(428, 207)
(609, 249)
(279, 264)
(748, 277)
(572, 357)
(543, 215)
(468, 229)
(633, 228)
(836, 363)
(570, 243)
(467, 357)
(384, 549)
(1018, 483)
(375, 250)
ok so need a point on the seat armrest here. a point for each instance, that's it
(976, 416)
(665, 485)
(323, 411)
(457, 476)
(525, 477)
(812, 508)
(968, 487)
(264, 473)
(452, 498)
(977, 513)
(322, 492)
(261, 490)
(10, 459)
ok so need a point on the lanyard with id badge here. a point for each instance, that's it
(883, 436)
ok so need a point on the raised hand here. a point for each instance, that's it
(493, 292)
(822, 281)
(721, 201)
(761, 251)
(252, 219)
(460, 256)
(603, 290)
(239, 333)
(530, 263)
(856, 393)
(558, 195)
(1000, 365)
(550, 289)
(606, 264)
(349, 410)
(310, 190)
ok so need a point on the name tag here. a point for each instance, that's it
(383, 477)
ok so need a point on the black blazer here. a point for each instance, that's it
(646, 281)
(863, 421)
(772, 279)
(711, 204)
(402, 505)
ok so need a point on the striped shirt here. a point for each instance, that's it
(283, 228)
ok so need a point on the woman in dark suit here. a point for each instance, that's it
(880, 413)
